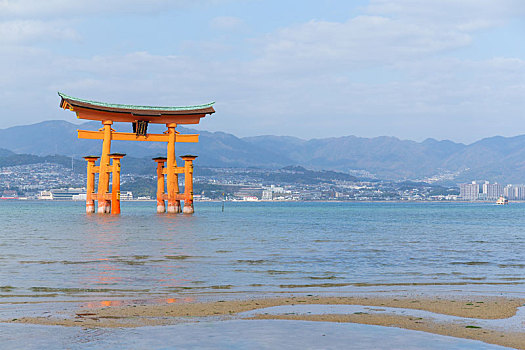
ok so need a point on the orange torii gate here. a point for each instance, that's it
(140, 117)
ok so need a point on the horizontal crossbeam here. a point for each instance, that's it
(128, 136)
(178, 196)
(108, 196)
(176, 170)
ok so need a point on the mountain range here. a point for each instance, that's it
(500, 159)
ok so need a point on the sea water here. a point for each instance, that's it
(54, 251)
(53, 255)
(233, 335)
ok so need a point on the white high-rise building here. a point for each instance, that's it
(469, 192)
(492, 191)
(267, 195)
(508, 192)
(516, 192)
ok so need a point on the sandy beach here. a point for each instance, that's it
(475, 308)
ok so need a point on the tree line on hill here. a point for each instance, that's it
(497, 159)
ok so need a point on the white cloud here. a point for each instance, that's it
(436, 97)
(19, 31)
(78, 8)
(360, 42)
(22, 20)
(390, 32)
(388, 71)
(448, 11)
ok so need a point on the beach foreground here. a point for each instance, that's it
(366, 269)
(493, 320)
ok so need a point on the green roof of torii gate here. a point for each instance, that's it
(132, 107)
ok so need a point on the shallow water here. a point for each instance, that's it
(260, 334)
(515, 323)
(53, 251)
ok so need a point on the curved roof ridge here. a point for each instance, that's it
(124, 106)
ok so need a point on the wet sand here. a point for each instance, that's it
(164, 314)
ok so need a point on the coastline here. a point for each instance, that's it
(474, 309)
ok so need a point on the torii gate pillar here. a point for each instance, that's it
(90, 187)
(161, 204)
(104, 205)
(172, 178)
(188, 184)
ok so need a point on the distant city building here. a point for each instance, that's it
(469, 192)
(267, 195)
(45, 195)
(67, 193)
(126, 196)
(276, 189)
(9, 194)
(492, 191)
(515, 192)
(63, 194)
(249, 192)
(79, 197)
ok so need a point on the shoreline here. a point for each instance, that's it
(474, 308)
(279, 201)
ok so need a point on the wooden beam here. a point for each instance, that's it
(128, 136)
(178, 196)
(178, 170)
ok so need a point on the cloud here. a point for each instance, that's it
(78, 8)
(22, 31)
(24, 20)
(448, 11)
(359, 42)
(386, 71)
(436, 97)
(388, 32)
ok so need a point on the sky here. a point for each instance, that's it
(413, 69)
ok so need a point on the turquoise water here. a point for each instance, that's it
(53, 251)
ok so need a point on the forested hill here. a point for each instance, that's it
(495, 159)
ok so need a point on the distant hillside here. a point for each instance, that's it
(495, 159)
(13, 159)
(5, 152)
(60, 137)
(387, 157)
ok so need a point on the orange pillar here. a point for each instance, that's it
(90, 186)
(104, 206)
(115, 184)
(161, 205)
(172, 177)
(188, 184)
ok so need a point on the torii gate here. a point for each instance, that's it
(140, 117)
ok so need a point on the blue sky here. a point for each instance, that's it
(447, 69)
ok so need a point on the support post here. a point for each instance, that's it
(172, 177)
(188, 184)
(115, 182)
(161, 204)
(104, 206)
(90, 185)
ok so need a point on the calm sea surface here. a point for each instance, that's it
(53, 251)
